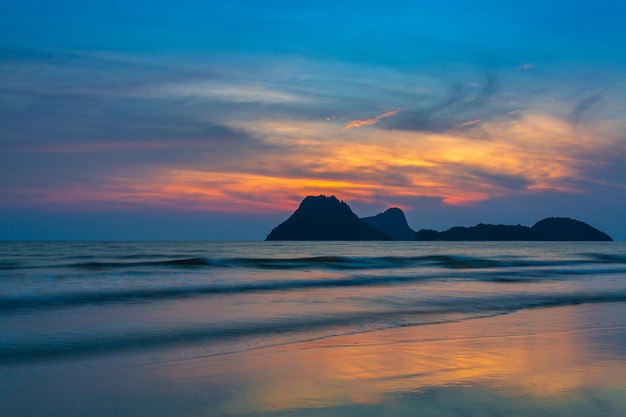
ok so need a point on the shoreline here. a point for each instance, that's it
(549, 360)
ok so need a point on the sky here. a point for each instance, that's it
(206, 120)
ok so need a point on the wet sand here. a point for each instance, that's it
(566, 361)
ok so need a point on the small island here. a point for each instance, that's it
(550, 229)
(393, 223)
(327, 218)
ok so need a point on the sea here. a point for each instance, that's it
(164, 302)
(62, 299)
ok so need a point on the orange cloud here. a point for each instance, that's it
(529, 154)
(370, 121)
(470, 123)
(539, 151)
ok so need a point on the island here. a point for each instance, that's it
(392, 222)
(325, 218)
(328, 218)
(550, 229)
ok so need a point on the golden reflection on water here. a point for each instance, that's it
(542, 354)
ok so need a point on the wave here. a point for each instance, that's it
(151, 294)
(184, 262)
(10, 264)
(299, 328)
(321, 262)
(67, 299)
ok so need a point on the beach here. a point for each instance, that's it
(198, 330)
(566, 361)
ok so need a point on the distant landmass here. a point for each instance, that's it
(550, 229)
(327, 218)
(393, 223)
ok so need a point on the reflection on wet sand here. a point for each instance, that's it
(567, 361)
(552, 356)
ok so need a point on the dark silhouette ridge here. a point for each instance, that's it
(563, 228)
(393, 223)
(488, 232)
(325, 218)
(550, 229)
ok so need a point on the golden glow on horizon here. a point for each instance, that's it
(526, 154)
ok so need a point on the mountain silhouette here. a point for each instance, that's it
(393, 223)
(325, 218)
(563, 228)
(550, 229)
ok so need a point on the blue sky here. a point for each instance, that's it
(212, 120)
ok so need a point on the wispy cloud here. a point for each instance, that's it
(224, 91)
(583, 106)
(97, 147)
(369, 121)
(469, 123)
(236, 139)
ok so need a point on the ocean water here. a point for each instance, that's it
(312, 328)
(62, 299)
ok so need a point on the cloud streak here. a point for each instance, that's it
(369, 121)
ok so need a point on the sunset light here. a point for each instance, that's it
(312, 208)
